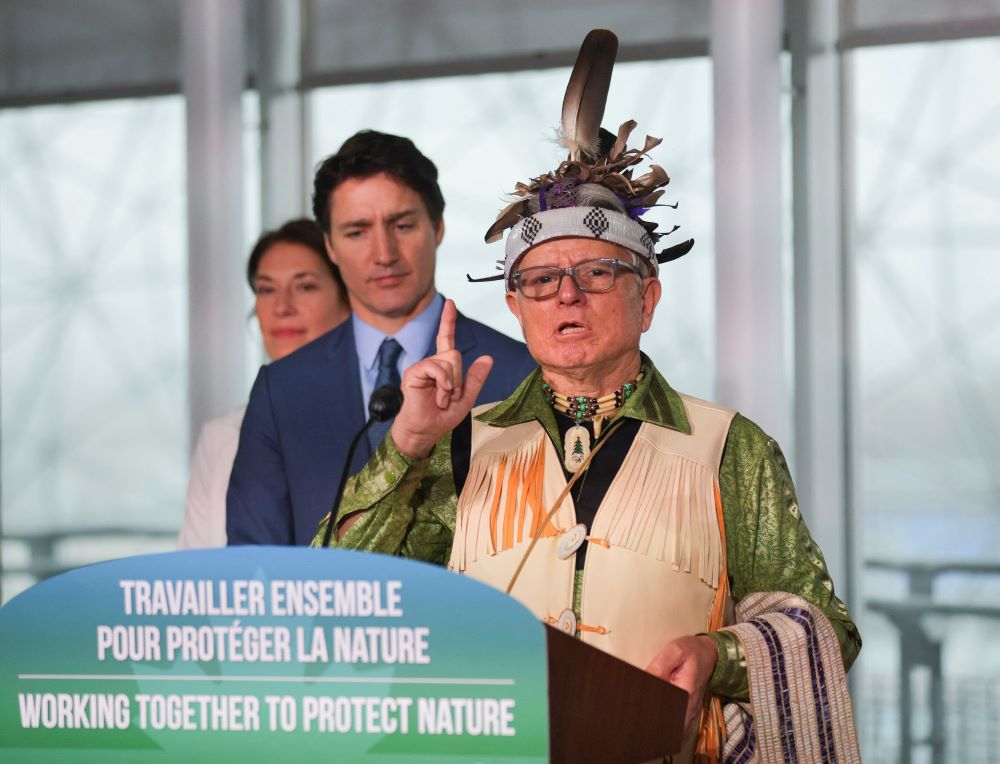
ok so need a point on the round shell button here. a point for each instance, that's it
(567, 622)
(571, 541)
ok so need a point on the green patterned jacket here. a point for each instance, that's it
(411, 511)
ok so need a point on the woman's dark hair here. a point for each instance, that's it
(369, 153)
(301, 231)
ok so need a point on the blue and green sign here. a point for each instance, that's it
(269, 654)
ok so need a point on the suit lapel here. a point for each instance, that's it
(342, 410)
(465, 341)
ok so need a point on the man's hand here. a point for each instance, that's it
(435, 399)
(687, 662)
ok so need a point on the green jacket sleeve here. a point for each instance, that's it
(408, 506)
(769, 547)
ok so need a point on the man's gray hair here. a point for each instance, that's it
(585, 195)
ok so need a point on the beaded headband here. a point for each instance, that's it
(580, 222)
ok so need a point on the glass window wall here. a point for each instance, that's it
(926, 420)
(93, 337)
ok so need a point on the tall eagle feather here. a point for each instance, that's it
(587, 94)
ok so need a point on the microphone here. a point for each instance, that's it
(384, 404)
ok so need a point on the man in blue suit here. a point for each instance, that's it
(380, 208)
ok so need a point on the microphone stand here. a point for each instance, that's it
(385, 403)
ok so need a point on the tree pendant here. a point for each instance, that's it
(576, 447)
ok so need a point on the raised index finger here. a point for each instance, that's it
(446, 329)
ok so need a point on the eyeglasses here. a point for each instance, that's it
(589, 276)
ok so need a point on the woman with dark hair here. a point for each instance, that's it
(299, 296)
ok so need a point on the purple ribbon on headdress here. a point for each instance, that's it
(632, 209)
(635, 210)
(557, 195)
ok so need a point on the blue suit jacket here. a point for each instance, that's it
(305, 409)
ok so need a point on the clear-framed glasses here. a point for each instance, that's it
(589, 276)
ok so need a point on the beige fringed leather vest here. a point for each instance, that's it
(655, 556)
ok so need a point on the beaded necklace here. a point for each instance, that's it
(583, 408)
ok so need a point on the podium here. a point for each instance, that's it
(604, 709)
(252, 652)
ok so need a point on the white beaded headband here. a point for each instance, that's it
(578, 222)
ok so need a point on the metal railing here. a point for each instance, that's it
(35, 556)
(919, 648)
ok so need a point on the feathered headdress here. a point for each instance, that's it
(595, 157)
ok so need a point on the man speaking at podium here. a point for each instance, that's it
(660, 528)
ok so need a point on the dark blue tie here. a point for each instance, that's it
(388, 374)
(388, 355)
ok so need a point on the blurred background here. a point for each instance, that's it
(838, 164)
